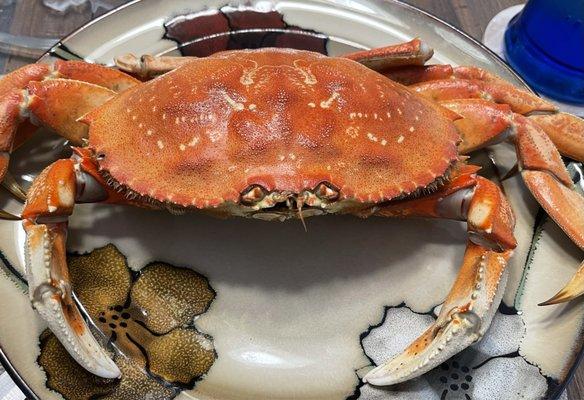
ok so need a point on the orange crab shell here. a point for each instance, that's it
(283, 119)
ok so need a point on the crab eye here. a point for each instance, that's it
(252, 195)
(326, 191)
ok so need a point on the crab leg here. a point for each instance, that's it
(148, 66)
(49, 204)
(411, 74)
(53, 102)
(444, 82)
(21, 88)
(469, 307)
(74, 70)
(565, 130)
(520, 101)
(414, 52)
(541, 167)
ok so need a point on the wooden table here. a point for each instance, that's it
(31, 18)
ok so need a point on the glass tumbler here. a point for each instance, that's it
(545, 44)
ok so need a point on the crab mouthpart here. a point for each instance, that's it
(287, 205)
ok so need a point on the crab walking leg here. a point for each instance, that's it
(469, 307)
(148, 66)
(15, 127)
(49, 204)
(48, 83)
(541, 166)
(485, 123)
(442, 82)
(565, 130)
(74, 70)
(414, 52)
(411, 74)
(520, 101)
(55, 104)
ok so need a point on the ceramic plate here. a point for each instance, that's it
(245, 309)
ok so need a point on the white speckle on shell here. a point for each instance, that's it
(371, 137)
(327, 103)
(194, 141)
(352, 132)
(237, 106)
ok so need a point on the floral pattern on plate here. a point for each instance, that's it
(490, 369)
(202, 34)
(147, 317)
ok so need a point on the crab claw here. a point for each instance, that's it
(49, 204)
(464, 318)
(469, 307)
(51, 297)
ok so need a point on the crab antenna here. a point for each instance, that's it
(299, 204)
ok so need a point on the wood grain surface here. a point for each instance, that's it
(31, 18)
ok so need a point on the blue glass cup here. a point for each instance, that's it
(545, 44)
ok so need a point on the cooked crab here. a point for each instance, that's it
(279, 133)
